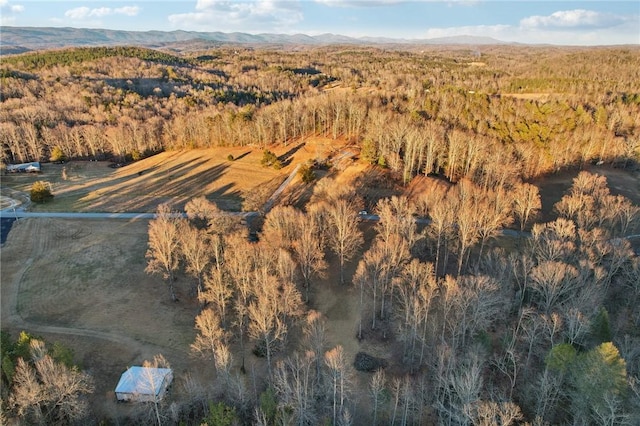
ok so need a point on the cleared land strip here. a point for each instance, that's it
(281, 188)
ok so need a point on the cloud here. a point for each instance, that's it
(577, 18)
(83, 12)
(382, 3)
(240, 15)
(127, 10)
(358, 3)
(566, 27)
(13, 8)
(9, 11)
(624, 33)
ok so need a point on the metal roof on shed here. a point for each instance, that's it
(142, 380)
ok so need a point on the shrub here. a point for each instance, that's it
(40, 192)
(368, 363)
(57, 155)
(260, 350)
(306, 173)
(269, 159)
(230, 157)
(220, 414)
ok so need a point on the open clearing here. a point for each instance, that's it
(82, 282)
(169, 177)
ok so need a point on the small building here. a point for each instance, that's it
(33, 167)
(144, 384)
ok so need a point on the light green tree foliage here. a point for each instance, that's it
(561, 357)
(595, 381)
(220, 414)
(599, 379)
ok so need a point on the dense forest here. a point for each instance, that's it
(541, 329)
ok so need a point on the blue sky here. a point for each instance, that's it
(556, 22)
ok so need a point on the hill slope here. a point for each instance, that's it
(17, 39)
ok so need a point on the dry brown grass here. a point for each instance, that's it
(173, 177)
(529, 96)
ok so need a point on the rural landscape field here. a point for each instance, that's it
(335, 235)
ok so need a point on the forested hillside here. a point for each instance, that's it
(454, 322)
(448, 112)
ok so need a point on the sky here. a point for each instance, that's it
(574, 22)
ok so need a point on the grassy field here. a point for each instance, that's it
(169, 177)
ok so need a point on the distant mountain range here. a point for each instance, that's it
(22, 39)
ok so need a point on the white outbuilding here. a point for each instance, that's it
(143, 384)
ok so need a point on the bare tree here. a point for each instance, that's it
(315, 339)
(577, 326)
(625, 214)
(265, 325)
(339, 381)
(49, 392)
(344, 237)
(467, 214)
(149, 381)
(293, 382)
(415, 289)
(526, 203)
(552, 282)
(377, 391)
(396, 218)
(217, 292)
(494, 213)
(309, 250)
(280, 227)
(403, 400)
(553, 241)
(369, 275)
(460, 388)
(240, 262)
(478, 303)
(211, 340)
(195, 247)
(589, 203)
(164, 241)
(490, 413)
(441, 227)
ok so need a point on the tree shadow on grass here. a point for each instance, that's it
(286, 158)
(144, 193)
(241, 156)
